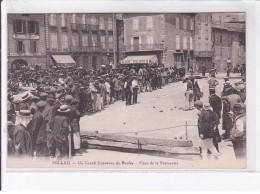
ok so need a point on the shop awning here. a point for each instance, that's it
(63, 59)
(145, 59)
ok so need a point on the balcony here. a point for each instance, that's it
(94, 27)
(91, 48)
(146, 47)
(85, 27)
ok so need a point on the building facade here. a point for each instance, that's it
(228, 36)
(26, 40)
(203, 42)
(88, 38)
(168, 36)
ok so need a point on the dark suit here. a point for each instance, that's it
(39, 134)
(216, 104)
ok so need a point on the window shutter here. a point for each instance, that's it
(181, 22)
(15, 27)
(24, 27)
(37, 28)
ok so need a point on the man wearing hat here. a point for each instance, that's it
(233, 99)
(23, 102)
(227, 120)
(213, 82)
(135, 88)
(227, 88)
(188, 94)
(19, 135)
(216, 104)
(38, 131)
(207, 123)
(60, 131)
(203, 70)
(238, 133)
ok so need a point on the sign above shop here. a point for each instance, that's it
(26, 36)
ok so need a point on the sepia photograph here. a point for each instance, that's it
(126, 90)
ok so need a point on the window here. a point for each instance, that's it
(101, 23)
(110, 23)
(75, 39)
(135, 24)
(52, 19)
(20, 47)
(54, 41)
(191, 24)
(64, 42)
(19, 27)
(84, 40)
(149, 40)
(94, 40)
(33, 46)
(220, 38)
(184, 23)
(74, 18)
(178, 46)
(63, 23)
(191, 43)
(33, 27)
(177, 23)
(110, 42)
(149, 22)
(185, 47)
(103, 42)
(83, 19)
(93, 20)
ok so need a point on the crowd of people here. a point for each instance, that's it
(229, 107)
(44, 121)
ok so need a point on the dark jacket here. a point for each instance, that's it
(60, 128)
(216, 104)
(206, 123)
(38, 128)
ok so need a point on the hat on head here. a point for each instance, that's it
(41, 104)
(33, 91)
(68, 97)
(60, 88)
(47, 89)
(239, 108)
(206, 106)
(50, 100)
(25, 97)
(63, 108)
(25, 113)
(43, 94)
(212, 89)
(198, 103)
(226, 78)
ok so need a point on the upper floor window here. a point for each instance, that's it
(178, 43)
(33, 27)
(177, 23)
(93, 20)
(191, 24)
(53, 19)
(110, 23)
(110, 42)
(185, 45)
(63, 22)
(84, 40)
(54, 40)
(149, 22)
(149, 40)
(75, 39)
(101, 23)
(19, 26)
(135, 24)
(103, 42)
(191, 43)
(64, 42)
(83, 19)
(184, 23)
(20, 46)
(94, 40)
(74, 18)
(33, 46)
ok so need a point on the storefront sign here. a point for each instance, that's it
(26, 36)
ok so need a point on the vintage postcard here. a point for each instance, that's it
(126, 90)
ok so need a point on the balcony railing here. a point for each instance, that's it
(94, 27)
(85, 49)
(146, 47)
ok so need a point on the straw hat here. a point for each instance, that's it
(63, 109)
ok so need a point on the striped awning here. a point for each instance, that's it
(63, 59)
(145, 59)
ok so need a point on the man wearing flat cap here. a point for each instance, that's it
(238, 133)
(38, 131)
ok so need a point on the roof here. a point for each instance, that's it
(144, 59)
(63, 59)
